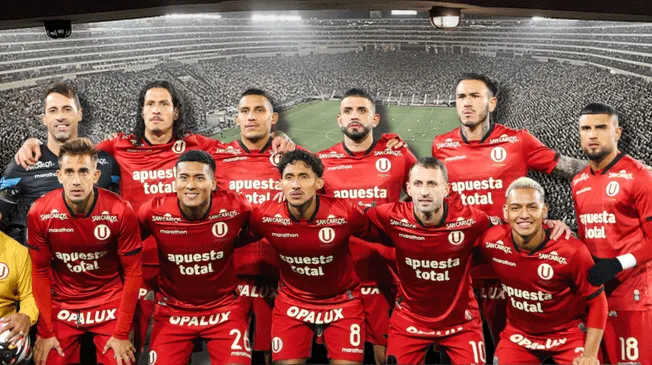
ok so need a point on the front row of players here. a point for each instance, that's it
(86, 240)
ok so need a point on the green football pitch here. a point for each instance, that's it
(314, 125)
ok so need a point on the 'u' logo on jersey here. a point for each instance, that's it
(275, 159)
(4, 271)
(456, 237)
(613, 188)
(498, 154)
(383, 164)
(102, 232)
(179, 147)
(327, 235)
(220, 229)
(545, 271)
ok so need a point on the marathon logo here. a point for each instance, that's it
(531, 307)
(386, 152)
(234, 159)
(277, 219)
(331, 154)
(293, 261)
(61, 230)
(173, 231)
(224, 214)
(340, 167)
(415, 331)
(106, 216)
(455, 158)
(315, 317)
(402, 223)
(504, 262)
(228, 151)
(49, 174)
(499, 245)
(285, 235)
(411, 237)
(448, 143)
(582, 191)
(41, 165)
(198, 321)
(371, 193)
(581, 178)
(166, 218)
(144, 176)
(87, 318)
(54, 214)
(622, 174)
(352, 351)
(442, 266)
(461, 222)
(504, 139)
(331, 219)
(529, 344)
(553, 256)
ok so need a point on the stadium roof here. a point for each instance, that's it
(23, 14)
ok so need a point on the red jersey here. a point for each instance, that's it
(316, 262)
(433, 262)
(481, 171)
(611, 206)
(547, 288)
(196, 254)
(83, 250)
(373, 177)
(255, 175)
(149, 170)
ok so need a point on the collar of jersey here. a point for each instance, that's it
(151, 144)
(441, 222)
(611, 164)
(536, 249)
(312, 218)
(492, 125)
(368, 151)
(210, 205)
(266, 146)
(90, 211)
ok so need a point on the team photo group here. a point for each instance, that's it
(158, 241)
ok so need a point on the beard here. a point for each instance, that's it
(598, 155)
(474, 123)
(357, 136)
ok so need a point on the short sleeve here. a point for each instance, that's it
(537, 155)
(579, 266)
(129, 242)
(108, 145)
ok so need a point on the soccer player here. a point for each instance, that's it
(16, 287)
(81, 239)
(368, 172)
(546, 284)
(195, 231)
(483, 158)
(319, 293)
(613, 202)
(21, 185)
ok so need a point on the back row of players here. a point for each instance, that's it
(194, 232)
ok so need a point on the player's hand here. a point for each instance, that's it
(42, 349)
(586, 360)
(558, 229)
(396, 143)
(29, 153)
(123, 350)
(18, 323)
(604, 270)
(281, 143)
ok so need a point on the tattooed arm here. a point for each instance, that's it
(568, 167)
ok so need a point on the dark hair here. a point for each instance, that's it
(491, 84)
(361, 93)
(198, 156)
(64, 89)
(78, 147)
(308, 158)
(259, 92)
(179, 125)
(431, 163)
(599, 108)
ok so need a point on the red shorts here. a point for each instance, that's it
(377, 304)
(294, 325)
(627, 337)
(493, 305)
(518, 347)
(258, 302)
(174, 331)
(145, 305)
(71, 324)
(409, 340)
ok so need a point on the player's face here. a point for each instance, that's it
(255, 117)
(525, 211)
(61, 117)
(427, 187)
(300, 183)
(599, 135)
(357, 117)
(159, 112)
(78, 174)
(474, 102)
(195, 182)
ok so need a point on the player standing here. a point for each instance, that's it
(81, 240)
(368, 172)
(546, 285)
(195, 230)
(613, 202)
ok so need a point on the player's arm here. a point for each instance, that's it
(568, 167)
(144, 214)
(541, 158)
(29, 152)
(25, 294)
(18, 324)
(40, 255)
(371, 227)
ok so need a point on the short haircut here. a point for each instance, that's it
(431, 163)
(259, 92)
(308, 158)
(526, 183)
(599, 108)
(361, 93)
(491, 84)
(64, 89)
(78, 147)
(198, 156)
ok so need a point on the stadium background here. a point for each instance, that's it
(548, 70)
